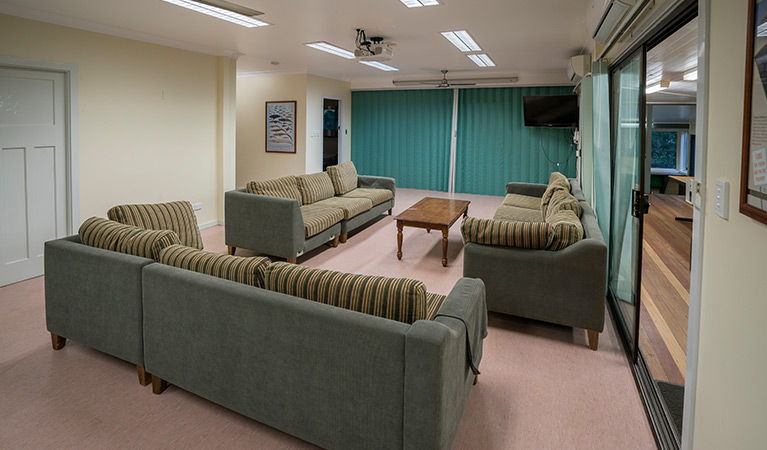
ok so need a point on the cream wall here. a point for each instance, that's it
(731, 395)
(253, 163)
(317, 88)
(148, 116)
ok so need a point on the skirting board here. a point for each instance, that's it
(211, 224)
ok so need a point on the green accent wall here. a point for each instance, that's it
(495, 147)
(404, 135)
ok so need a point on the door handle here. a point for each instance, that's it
(640, 203)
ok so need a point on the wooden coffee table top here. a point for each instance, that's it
(436, 211)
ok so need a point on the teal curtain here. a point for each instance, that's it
(601, 143)
(495, 147)
(404, 135)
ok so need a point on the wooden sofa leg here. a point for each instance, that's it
(334, 242)
(344, 237)
(231, 249)
(144, 377)
(390, 211)
(58, 342)
(593, 339)
(476, 379)
(292, 260)
(158, 385)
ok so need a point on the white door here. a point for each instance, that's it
(33, 172)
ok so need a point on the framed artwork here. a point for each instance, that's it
(753, 175)
(281, 127)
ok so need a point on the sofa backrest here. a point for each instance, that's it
(399, 299)
(110, 235)
(175, 216)
(284, 187)
(344, 177)
(246, 270)
(315, 187)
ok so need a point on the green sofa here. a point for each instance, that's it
(289, 216)
(327, 373)
(563, 281)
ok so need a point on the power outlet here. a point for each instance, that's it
(196, 206)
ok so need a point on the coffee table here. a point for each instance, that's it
(433, 214)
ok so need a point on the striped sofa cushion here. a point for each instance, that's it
(344, 177)
(557, 182)
(534, 235)
(318, 218)
(433, 304)
(175, 216)
(350, 206)
(111, 235)
(234, 268)
(563, 200)
(518, 214)
(285, 187)
(522, 201)
(566, 230)
(377, 196)
(398, 299)
(315, 187)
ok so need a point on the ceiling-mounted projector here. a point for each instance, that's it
(373, 50)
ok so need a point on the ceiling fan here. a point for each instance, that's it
(444, 83)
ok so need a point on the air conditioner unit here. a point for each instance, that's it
(612, 11)
(579, 67)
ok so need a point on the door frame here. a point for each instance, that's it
(341, 128)
(71, 126)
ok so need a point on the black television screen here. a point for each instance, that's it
(551, 111)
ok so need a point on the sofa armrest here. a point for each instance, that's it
(438, 376)
(530, 189)
(94, 297)
(571, 281)
(372, 182)
(270, 225)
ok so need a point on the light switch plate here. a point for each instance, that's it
(196, 206)
(721, 198)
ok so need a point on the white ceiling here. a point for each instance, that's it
(669, 60)
(532, 39)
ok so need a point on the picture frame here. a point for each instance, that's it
(280, 123)
(753, 176)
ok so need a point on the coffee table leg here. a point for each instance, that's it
(399, 239)
(444, 247)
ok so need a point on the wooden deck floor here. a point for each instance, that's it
(665, 287)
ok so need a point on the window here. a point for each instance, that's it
(670, 151)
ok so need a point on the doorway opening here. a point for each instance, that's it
(331, 109)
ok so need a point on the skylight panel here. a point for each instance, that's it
(219, 13)
(419, 3)
(379, 65)
(462, 40)
(330, 48)
(482, 60)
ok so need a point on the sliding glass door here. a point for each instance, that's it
(628, 201)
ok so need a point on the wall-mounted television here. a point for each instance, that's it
(560, 111)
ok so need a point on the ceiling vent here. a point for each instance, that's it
(612, 13)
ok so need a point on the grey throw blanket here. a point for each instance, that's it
(473, 315)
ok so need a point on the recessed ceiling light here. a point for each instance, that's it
(379, 65)
(462, 40)
(482, 60)
(419, 3)
(330, 48)
(219, 13)
(691, 75)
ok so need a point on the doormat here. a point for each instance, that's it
(673, 396)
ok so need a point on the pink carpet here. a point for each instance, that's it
(541, 387)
